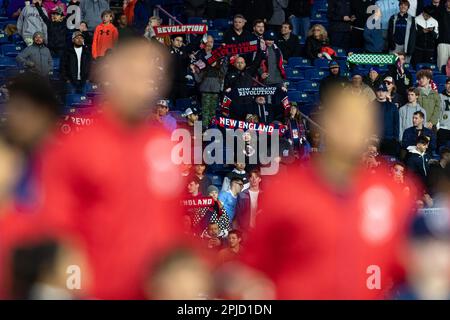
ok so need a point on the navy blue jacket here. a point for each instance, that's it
(389, 120)
(418, 164)
(410, 136)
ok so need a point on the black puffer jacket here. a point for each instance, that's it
(56, 31)
(69, 64)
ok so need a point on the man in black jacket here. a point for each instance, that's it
(340, 17)
(359, 12)
(180, 63)
(76, 64)
(288, 42)
(56, 30)
(332, 81)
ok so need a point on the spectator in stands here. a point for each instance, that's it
(210, 80)
(254, 9)
(387, 8)
(288, 42)
(407, 111)
(418, 158)
(316, 40)
(443, 49)
(359, 25)
(401, 76)
(259, 28)
(263, 110)
(91, 12)
(105, 35)
(426, 36)
(229, 197)
(334, 79)
(437, 170)
(443, 134)
(373, 79)
(214, 238)
(123, 28)
(241, 76)
(76, 65)
(237, 34)
(234, 248)
(56, 30)
(402, 30)
(373, 36)
(53, 5)
(37, 57)
(359, 88)
(191, 115)
(418, 129)
(218, 9)
(193, 187)
(272, 64)
(161, 116)
(180, 62)
(87, 35)
(389, 121)
(435, 7)
(218, 213)
(238, 171)
(150, 32)
(199, 170)
(299, 13)
(392, 96)
(296, 132)
(398, 175)
(30, 22)
(195, 8)
(247, 207)
(143, 10)
(128, 10)
(428, 99)
(278, 15)
(340, 16)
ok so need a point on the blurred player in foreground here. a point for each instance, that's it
(338, 233)
(106, 186)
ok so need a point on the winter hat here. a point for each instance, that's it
(333, 64)
(212, 188)
(270, 35)
(38, 33)
(374, 69)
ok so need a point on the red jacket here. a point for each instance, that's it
(316, 244)
(107, 186)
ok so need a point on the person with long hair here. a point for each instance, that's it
(316, 40)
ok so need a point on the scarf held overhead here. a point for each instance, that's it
(229, 123)
(163, 31)
(232, 49)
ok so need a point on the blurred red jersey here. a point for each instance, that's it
(317, 243)
(114, 187)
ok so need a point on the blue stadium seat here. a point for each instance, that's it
(217, 35)
(4, 38)
(340, 53)
(197, 20)
(308, 86)
(440, 79)
(294, 74)
(343, 65)
(77, 100)
(299, 62)
(11, 50)
(221, 24)
(6, 62)
(315, 75)
(319, 18)
(56, 63)
(431, 66)
(299, 97)
(321, 63)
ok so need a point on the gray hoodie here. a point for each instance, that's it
(30, 22)
(406, 114)
(36, 58)
(91, 12)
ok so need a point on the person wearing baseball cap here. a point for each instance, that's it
(393, 96)
(273, 70)
(358, 87)
(161, 115)
(56, 29)
(390, 122)
(76, 64)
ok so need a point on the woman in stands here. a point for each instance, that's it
(316, 40)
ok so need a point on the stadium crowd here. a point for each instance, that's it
(392, 55)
